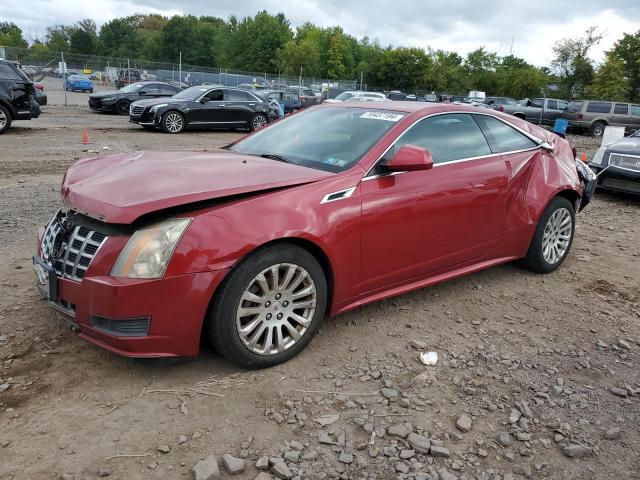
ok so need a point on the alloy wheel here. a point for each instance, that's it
(259, 121)
(3, 120)
(174, 122)
(557, 236)
(276, 309)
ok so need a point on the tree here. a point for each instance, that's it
(299, 55)
(58, 38)
(83, 37)
(572, 63)
(610, 81)
(403, 68)
(11, 35)
(336, 68)
(119, 38)
(627, 51)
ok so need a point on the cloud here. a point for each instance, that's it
(528, 29)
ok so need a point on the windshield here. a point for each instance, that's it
(77, 77)
(331, 139)
(345, 96)
(134, 87)
(192, 93)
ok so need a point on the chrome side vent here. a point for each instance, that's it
(339, 195)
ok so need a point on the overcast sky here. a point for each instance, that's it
(456, 25)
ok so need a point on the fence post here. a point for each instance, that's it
(63, 69)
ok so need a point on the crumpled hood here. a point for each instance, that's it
(122, 187)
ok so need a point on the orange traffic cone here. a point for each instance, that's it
(85, 136)
(583, 157)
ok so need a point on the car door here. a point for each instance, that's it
(209, 110)
(240, 106)
(423, 222)
(634, 119)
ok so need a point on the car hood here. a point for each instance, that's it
(108, 93)
(626, 145)
(120, 188)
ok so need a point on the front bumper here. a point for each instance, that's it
(100, 106)
(616, 179)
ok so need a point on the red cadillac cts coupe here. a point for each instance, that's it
(250, 246)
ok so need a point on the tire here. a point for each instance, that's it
(172, 122)
(258, 121)
(91, 91)
(122, 107)
(224, 319)
(5, 119)
(597, 129)
(554, 219)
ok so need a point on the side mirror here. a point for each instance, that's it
(410, 158)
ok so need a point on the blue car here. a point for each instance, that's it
(78, 82)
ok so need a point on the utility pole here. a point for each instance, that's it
(63, 69)
(180, 69)
(128, 72)
(361, 75)
(300, 82)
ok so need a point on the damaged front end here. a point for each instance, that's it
(588, 179)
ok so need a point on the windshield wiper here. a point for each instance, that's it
(274, 156)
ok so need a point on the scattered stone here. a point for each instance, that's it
(310, 456)
(325, 420)
(401, 430)
(389, 393)
(482, 453)
(612, 433)
(620, 392)
(419, 443)
(232, 464)
(624, 344)
(524, 409)
(296, 445)
(103, 472)
(514, 416)
(206, 469)
(292, 456)
(464, 423)
(164, 448)
(444, 474)
(4, 387)
(325, 438)
(281, 470)
(182, 439)
(577, 451)
(345, 458)
(439, 452)
(264, 476)
(262, 463)
(418, 345)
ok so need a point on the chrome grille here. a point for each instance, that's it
(136, 109)
(628, 162)
(75, 252)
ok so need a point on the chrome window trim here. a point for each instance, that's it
(538, 142)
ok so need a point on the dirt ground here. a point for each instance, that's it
(529, 355)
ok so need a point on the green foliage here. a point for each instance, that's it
(572, 63)
(627, 51)
(11, 35)
(611, 81)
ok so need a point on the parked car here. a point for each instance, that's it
(306, 95)
(618, 165)
(251, 246)
(41, 97)
(593, 116)
(118, 101)
(411, 97)
(291, 101)
(396, 96)
(357, 96)
(17, 96)
(202, 107)
(78, 82)
(498, 103)
(541, 111)
(127, 76)
(431, 97)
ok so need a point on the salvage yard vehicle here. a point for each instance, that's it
(541, 111)
(118, 101)
(306, 95)
(249, 247)
(78, 83)
(41, 96)
(618, 165)
(594, 116)
(17, 96)
(497, 103)
(205, 106)
(358, 96)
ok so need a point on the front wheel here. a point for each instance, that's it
(269, 307)
(122, 107)
(172, 122)
(553, 237)
(258, 121)
(597, 129)
(5, 119)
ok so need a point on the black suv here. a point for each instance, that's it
(17, 96)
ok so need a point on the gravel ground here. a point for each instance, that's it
(537, 375)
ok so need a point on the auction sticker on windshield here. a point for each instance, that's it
(389, 117)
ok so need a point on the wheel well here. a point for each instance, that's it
(9, 107)
(570, 195)
(519, 115)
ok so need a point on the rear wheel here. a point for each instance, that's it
(258, 121)
(597, 129)
(553, 237)
(122, 107)
(269, 307)
(5, 119)
(172, 122)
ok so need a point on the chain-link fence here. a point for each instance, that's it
(122, 71)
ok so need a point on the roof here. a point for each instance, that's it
(407, 107)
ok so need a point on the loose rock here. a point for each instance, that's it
(464, 423)
(577, 451)
(206, 469)
(232, 464)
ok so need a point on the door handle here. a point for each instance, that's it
(223, 105)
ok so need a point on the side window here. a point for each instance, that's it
(621, 109)
(448, 137)
(214, 96)
(167, 90)
(552, 104)
(599, 107)
(238, 96)
(8, 73)
(151, 89)
(502, 137)
(537, 103)
(562, 105)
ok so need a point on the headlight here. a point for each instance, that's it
(156, 107)
(149, 250)
(108, 99)
(599, 156)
